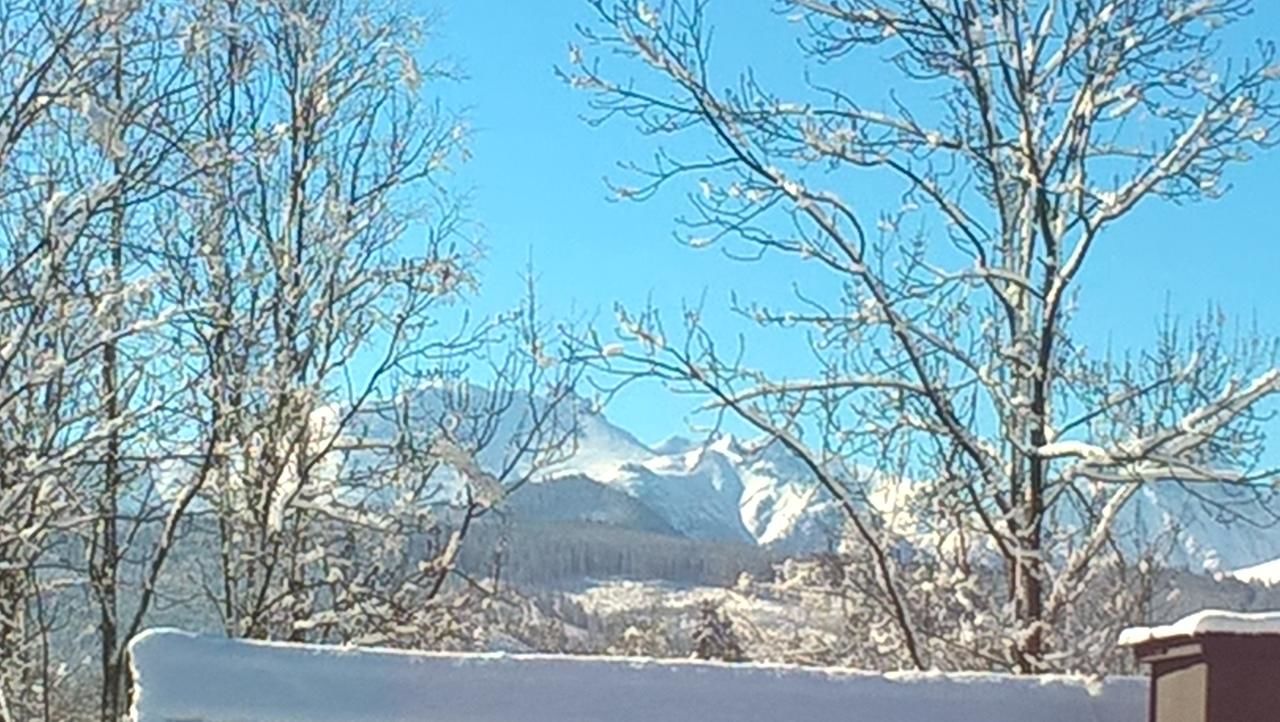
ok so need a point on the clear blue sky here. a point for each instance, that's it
(536, 181)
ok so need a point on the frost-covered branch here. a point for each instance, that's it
(1016, 135)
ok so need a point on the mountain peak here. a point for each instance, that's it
(728, 446)
(729, 488)
(674, 444)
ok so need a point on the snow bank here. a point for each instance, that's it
(179, 676)
(1209, 621)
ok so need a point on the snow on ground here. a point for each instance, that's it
(179, 676)
(764, 607)
(1209, 621)
(772, 623)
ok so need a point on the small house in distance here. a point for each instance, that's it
(1212, 666)
(181, 676)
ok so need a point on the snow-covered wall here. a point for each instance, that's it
(180, 676)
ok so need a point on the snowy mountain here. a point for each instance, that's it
(1267, 573)
(570, 499)
(1221, 528)
(715, 490)
(727, 490)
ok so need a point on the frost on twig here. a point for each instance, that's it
(933, 339)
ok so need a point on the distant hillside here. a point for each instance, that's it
(580, 499)
(551, 552)
(726, 490)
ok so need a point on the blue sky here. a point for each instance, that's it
(536, 186)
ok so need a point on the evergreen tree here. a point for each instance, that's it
(714, 637)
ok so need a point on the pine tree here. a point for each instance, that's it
(714, 637)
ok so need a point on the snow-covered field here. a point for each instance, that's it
(179, 676)
(766, 612)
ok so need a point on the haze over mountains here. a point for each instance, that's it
(732, 491)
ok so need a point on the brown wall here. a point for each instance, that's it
(1214, 678)
(1245, 680)
(1180, 690)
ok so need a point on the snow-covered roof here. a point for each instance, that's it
(179, 676)
(1209, 621)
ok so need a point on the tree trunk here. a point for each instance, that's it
(1029, 573)
(108, 574)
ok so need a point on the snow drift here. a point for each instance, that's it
(180, 676)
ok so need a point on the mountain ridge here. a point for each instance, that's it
(725, 489)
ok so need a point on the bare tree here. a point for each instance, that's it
(323, 260)
(143, 113)
(229, 268)
(309, 296)
(66, 177)
(946, 376)
(434, 459)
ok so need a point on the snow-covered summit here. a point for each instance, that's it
(1267, 573)
(674, 444)
(719, 487)
(733, 489)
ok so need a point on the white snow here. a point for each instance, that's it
(179, 676)
(731, 489)
(1265, 573)
(1209, 621)
(716, 487)
(778, 492)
